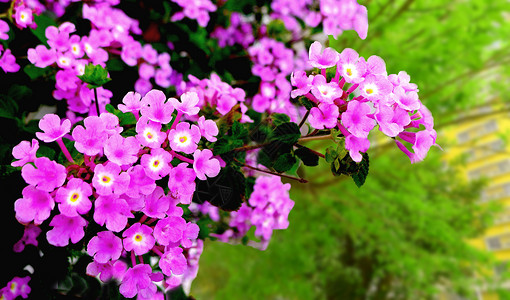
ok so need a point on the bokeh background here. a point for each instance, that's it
(432, 230)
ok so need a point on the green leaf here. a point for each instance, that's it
(360, 177)
(238, 131)
(35, 72)
(19, 92)
(43, 21)
(110, 108)
(287, 133)
(284, 163)
(226, 190)
(331, 154)
(279, 119)
(307, 103)
(95, 76)
(8, 107)
(307, 156)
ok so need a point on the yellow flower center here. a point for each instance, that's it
(105, 179)
(369, 91)
(138, 237)
(155, 163)
(74, 197)
(149, 136)
(349, 72)
(183, 139)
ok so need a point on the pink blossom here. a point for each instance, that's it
(181, 180)
(25, 152)
(188, 105)
(375, 87)
(73, 199)
(30, 235)
(112, 211)
(184, 138)
(376, 66)
(41, 56)
(105, 247)
(23, 16)
(111, 269)
(155, 108)
(90, 140)
(392, 120)
(131, 103)
(169, 230)
(139, 182)
(149, 133)
(356, 118)
(64, 229)
(350, 67)
(326, 59)
(156, 204)
(66, 79)
(190, 233)
(111, 123)
(208, 129)
(173, 262)
(302, 83)
(204, 165)
(138, 238)
(52, 128)
(4, 28)
(324, 116)
(325, 92)
(18, 286)
(408, 101)
(36, 205)
(122, 151)
(157, 163)
(8, 62)
(46, 175)
(108, 179)
(355, 145)
(135, 279)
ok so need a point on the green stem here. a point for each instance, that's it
(273, 173)
(97, 102)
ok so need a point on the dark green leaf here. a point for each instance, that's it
(279, 119)
(360, 177)
(42, 21)
(307, 103)
(8, 107)
(226, 191)
(35, 72)
(95, 76)
(307, 156)
(287, 133)
(284, 162)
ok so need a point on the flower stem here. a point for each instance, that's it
(314, 138)
(304, 119)
(183, 158)
(313, 151)
(302, 180)
(97, 102)
(64, 150)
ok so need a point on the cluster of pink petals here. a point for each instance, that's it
(362, 95)
(239, 32)
(198, 10)
(17, 287)
(115, 182)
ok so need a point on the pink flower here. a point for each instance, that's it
(90, 140)
(135, 279)
(408, 101)
(18, 286)
(302, 83)
(111, 123)
(181, 180)
(138, 238)
(8, 62)
(139, 182)
(376, 87)
(325, 92)
(149, 133)
(188, 105)
(36, 205)
(356, 119)
(355, 145)
(392, 120)
(376, 66)
(73, 199)
(23, 16)
(122, 151)
(52, 128)
(108, 179)
(46, 175)
(156, 108)
(350, 67)
(107, 271)
(4, 28)
(156, 204)
(157, 164)
(41, 56)
(30, 235)
(204, 165)
(324, 116)
(190, 233)
(105, 247)
(184, 138)
(113, 211)
(208, 129)
(323, 60)
(132, 103)
(25, 152)
(173, 262)
(169, 230)
(64, 229)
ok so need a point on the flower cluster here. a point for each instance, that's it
(113, 180)
(197, 10)
(239, 32)
(17, 287)
(360, 95)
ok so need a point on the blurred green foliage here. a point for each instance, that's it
(403, 234)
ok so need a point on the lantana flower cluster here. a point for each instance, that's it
(362, 95)
(116, 182)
